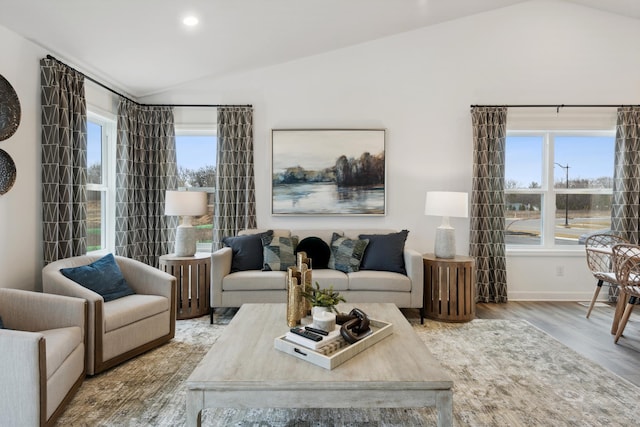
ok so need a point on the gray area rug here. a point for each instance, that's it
(506, 373)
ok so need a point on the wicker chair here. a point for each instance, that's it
(599, 260)
(627, 270)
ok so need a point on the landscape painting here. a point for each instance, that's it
(328, 172)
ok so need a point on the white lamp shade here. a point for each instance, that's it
(447, 204)
(189, 203)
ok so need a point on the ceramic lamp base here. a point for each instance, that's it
(445, 246)
(185, 241)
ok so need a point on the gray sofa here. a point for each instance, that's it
(255, 286)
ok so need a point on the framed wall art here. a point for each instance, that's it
(328, 172)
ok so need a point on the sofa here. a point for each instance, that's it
(42, 354)
(234, 283)
(123, 327)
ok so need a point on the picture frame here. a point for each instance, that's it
(328, 172)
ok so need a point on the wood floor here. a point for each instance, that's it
(566, 322)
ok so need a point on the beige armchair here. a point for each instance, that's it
(42, 355)
(126, 327)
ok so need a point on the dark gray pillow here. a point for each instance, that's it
(385, 252)
(102, 276)
(279, 253)
(316, 249)
(247, 252)
(346, 254)
(1, 324)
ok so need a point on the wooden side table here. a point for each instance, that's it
(449, 288)
(193, 274)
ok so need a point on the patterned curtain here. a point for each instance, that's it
(235, 206)
(145, 169)
(64, 161)
(625, 206)
(488, 203)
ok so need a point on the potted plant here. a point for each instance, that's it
(326, 299)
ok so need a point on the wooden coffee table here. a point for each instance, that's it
(244, 370)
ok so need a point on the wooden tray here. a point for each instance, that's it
(339, 354)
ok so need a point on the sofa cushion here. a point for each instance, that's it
(255, 280)
(346, 253)
(385, 252)
(278, 252)
(131, 309)
(367, 280)
(316, 249)
(327, 277)
(247, 252)
(102, 276)
(60, 343)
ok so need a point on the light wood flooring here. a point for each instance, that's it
(566, 322)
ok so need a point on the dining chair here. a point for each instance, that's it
(599, 260)
(627, 270)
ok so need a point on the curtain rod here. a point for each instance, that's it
(136, 102)
(558, 106)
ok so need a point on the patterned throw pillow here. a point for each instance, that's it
(278, 252)
(346, 254)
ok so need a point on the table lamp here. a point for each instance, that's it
(186, 204)
(446, 204)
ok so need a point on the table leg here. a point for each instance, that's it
(444, 406)
(195, 405)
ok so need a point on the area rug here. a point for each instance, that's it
(505, 372)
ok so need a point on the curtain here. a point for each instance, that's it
(145, 169)
(487, 244)
(625, 205)
(235, 206)
(64, 161)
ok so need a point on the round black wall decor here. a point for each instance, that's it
(7, 172)
(9, 109)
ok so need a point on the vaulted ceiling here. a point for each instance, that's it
(142, 47)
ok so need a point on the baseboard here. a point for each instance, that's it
(553, 296)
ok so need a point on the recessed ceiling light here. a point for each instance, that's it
(190, 21)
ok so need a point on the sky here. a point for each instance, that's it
(587, 157)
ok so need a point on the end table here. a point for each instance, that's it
(449, 288)
(193, 274)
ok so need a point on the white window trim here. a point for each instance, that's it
(548, 192)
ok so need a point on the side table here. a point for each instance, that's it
(193, 274)
(449, 288)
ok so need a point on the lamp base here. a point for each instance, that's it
(445, 246)
(185, 240)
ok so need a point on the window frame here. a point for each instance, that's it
(108, 123)
(198, 130)
(548, 192)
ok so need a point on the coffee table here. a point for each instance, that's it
(244, 370)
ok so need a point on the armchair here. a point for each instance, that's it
(125, 327)
(42, 355)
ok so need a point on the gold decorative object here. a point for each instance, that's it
(296, 306)
(304, 267)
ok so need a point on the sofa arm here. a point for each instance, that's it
(415, 270)
(35, 311)
(220, 267)
(145, 279)
(22, 377)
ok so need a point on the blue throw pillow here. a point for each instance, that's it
(102, 276)
(247, 252)
(385, 252)
(1, 324)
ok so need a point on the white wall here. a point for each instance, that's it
(417, 85)
(20, 208)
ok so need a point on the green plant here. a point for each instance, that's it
(326, 297)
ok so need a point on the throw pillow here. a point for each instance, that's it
(102, 276)
(385, 252)
(316, 249)
(346, 254)
(1, 324)
(278, 252)
(247, 252)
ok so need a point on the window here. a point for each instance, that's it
(196, 159)
(100, 183)
(558, 186)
